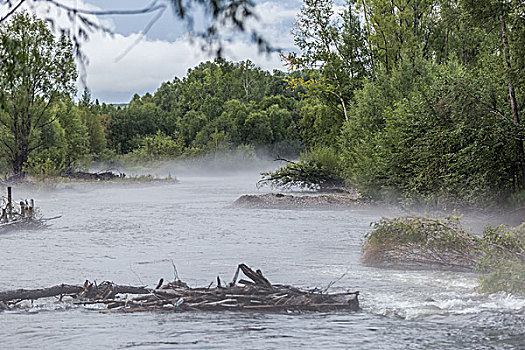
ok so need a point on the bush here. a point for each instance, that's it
(43, 169)
(504, 262)
(422, 242)
(439, 144)
(316, 170)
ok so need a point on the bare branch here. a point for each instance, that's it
(13, 10)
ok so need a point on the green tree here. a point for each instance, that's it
(129, 124)
(334, 45)
(64, 142)
(258, 128)
(159, 147)
(95, 131)
(439, 145)
(509, 17)
(400, 29)
(36, 70)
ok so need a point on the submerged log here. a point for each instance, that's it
(21, 224)
(257, 295)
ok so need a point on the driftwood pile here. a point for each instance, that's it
(255, 294)
(100, 176)
(23, 215)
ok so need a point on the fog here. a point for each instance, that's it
(130, 233)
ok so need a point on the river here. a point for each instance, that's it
(131, 234)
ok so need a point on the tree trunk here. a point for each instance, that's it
(512, 97)
(21, 156)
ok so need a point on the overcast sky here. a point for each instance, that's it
(167, 51)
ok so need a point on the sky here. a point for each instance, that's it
(114, 72)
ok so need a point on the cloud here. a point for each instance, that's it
(142, 69)
(275, 22)
(151, 62)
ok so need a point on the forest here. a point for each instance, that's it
(418, 102)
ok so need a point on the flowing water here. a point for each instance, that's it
(131, 234)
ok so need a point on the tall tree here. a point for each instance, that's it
(400, 29)
(36, 69)
(332, 43)
(508, 16)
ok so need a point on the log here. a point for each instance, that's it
(123, 289)
(303, 307)
(256, 276)
(62, 289)
(143, 309)
(33, 294)
(101, 176)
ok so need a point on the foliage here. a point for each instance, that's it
(423, 242)
(42, 170)
(411, 101)
(36, 70)
(218, 105)
(317, 169)
(439, 144)
(504, 262)
(96, 135)
(420, 241)
(333, 51)
(158, 147)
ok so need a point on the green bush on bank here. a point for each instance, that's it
(503, 264)
(422, 242)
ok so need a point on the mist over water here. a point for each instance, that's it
(130, 233)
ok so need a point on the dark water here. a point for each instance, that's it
(130, 234)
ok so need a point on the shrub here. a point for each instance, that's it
(317, 170)
(419, 242)
(422, 242)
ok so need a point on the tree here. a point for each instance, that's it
(509, 17)
(334, 44)
(36, 70)
(131, 123)
(95, 131)
(400, 29)
(258, 128)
